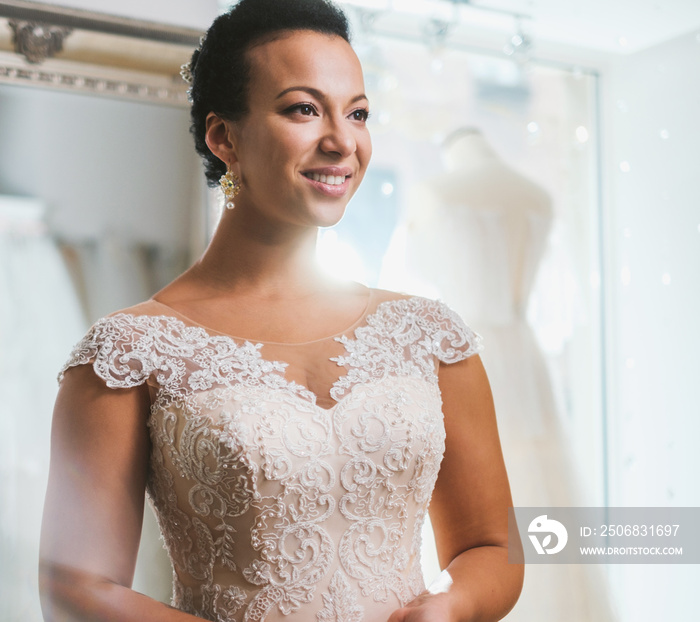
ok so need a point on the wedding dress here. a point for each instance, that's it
(33, 343)
(490, 225)
(273, 507)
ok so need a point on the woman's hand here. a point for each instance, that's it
(426, 607)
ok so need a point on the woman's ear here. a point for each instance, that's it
(220, 139)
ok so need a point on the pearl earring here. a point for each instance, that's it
(231, 186)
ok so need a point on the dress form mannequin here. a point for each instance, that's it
(477, 233)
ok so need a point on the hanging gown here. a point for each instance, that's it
(33, 343)
(490, 282)
(271, 506)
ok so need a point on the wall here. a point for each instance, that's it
(187, 13)
(651, 156)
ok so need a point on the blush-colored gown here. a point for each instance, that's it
(271, 506)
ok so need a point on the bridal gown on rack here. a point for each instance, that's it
(40, 317)
(276, 503)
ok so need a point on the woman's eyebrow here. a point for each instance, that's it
(316, 93)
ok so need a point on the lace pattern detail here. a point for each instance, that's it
(270, 505)
(395, 446)
(126, 349)
(401, 339)
(340, 602)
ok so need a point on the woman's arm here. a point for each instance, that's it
(469, 508)
(94, 504)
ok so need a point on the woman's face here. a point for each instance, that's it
(303, 148)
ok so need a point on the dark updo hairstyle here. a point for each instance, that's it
(220, 69)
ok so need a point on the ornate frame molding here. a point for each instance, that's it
(58, 47)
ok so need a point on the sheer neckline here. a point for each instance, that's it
(208, 329)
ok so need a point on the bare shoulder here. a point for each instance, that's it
(386, 295)
(145, 307)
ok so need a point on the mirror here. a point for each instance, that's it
(71, 49)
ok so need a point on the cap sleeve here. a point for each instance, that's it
(451, 340)
(117, 347)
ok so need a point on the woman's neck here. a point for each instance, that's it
(269, 262)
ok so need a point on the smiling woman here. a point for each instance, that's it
(290, 430)
(305, 123)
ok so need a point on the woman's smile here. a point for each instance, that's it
(330, 180)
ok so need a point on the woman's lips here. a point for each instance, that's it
(332, 182)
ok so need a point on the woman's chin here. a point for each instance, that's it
(330, 218)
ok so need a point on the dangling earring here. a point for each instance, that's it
(231, 185)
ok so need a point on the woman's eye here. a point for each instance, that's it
(304, 109)
(360, 115)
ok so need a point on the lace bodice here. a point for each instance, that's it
(272, 507)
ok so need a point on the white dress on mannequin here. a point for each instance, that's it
(477, 234)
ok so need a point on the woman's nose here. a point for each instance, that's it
(338, 138)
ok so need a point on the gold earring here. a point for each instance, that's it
(231, 185)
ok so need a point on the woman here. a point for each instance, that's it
(287, 428)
